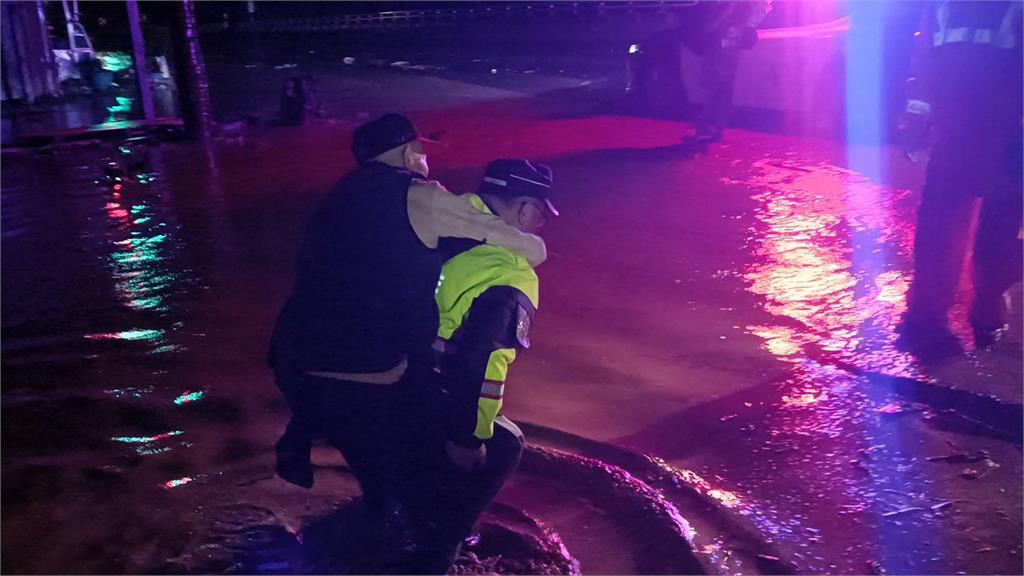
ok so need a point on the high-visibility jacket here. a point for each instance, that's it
(487, 297)
(987, 35)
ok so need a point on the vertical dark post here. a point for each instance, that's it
(139, 57)
(193, 87)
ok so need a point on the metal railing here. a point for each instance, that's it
(413, 18)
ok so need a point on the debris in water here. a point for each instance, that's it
(901, 408)
(348, 60)
(942, 505)
(859, 466)
(726, 418)
(985, 549)
(891, 491)
(285, 66)
(961, 458)
(902, 511)
(768, 557)
(853, 508)
(874, 567)
(975, 473)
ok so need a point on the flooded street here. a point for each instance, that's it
(714, 359)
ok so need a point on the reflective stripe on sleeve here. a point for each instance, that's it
(493, 390)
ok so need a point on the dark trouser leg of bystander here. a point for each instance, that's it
(719, 75)
(997, 262)
(940, 244)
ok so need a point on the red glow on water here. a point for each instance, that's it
(805, 398)
(813, 268)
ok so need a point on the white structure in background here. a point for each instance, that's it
(28, 71)
(79, 43)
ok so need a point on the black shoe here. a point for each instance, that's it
(294, 464)
(928, 342)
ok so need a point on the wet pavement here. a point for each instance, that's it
(714, 356)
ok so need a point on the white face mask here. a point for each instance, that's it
(417, 163)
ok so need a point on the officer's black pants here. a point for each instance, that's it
(453, 499)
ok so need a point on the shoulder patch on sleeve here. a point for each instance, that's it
(523, 323)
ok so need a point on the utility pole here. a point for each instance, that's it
(139, 57)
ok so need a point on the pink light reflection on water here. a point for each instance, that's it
(804, 269)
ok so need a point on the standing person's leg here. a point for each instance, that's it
(719, 70)
(997, 250)
(940, 244)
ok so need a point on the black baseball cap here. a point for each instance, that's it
(378, 136)
(509, 179)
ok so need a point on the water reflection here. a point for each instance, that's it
(812, 218)
(188, 397)
(831, 253)
(178, 482)
(142, 258)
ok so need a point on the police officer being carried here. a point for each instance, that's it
(359, 327)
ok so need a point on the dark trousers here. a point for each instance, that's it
(718, 74)
(452, 499)
(976, 110)
(940, 245)
(953, 184)
(393, 438)
(365, 422)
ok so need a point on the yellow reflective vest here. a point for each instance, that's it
(486, 297)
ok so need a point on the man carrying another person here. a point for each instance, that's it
(349, 345)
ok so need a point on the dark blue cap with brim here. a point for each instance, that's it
(378, 136)
(516, 178)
